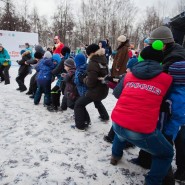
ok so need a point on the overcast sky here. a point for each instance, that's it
(47, 7)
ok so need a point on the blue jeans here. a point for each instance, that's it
(43, 86)
(154, 143)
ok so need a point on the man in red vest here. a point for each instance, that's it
(136, 113)
(58, 45)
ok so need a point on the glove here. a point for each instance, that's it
(166, 107)
(108, 78)
(5, 63)
(81, 77)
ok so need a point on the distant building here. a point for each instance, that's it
(177, 25)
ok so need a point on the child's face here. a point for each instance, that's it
(66, 68)
(100, 44)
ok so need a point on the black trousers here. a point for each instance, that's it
(180, 149)
(20, 79)
(111, 134)
(55, 96)
(33, 84)
(4, 73)
(81, 114)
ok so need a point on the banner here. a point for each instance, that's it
(14, 42)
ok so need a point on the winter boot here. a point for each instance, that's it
(169, 178)
(180, 175)
(107, 139)
(114, 160)
(52, 108)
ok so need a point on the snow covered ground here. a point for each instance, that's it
(40, 148)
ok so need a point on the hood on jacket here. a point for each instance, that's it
(147, 69)
(99, 57)
(174, 53)
(99, 52)
(104, 44)
(56, 57)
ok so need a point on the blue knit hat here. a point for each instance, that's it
(22, 51)
(80, 59)
(56, 57)
(131, 63)
(146, 41)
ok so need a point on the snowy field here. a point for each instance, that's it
(40, 148)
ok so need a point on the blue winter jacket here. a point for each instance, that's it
(177, 118)
(177, 99)
(175, 53)
(44, 69)
(81, 87)
(4, 56)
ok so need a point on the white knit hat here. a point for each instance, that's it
(1, 45)
(121, 38)
(47, 54)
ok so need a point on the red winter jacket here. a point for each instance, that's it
(58, 48)
(138, 106)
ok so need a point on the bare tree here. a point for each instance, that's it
(45, 32)
(180, 6)
(102, 19)
(145, 27)
(63, 21)
(9, 19)
(34, 20)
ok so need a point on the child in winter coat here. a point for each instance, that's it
(68, 86)
(56, 91)
(38, 55)
(81, 71)
(177, 100)
(44, 78)
(23, 71)
(80, 74)
(70, 91)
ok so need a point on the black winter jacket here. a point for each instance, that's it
(96, 68)
(173, 53)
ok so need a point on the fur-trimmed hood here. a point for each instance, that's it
(100, 52)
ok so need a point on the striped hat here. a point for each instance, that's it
(177, 71)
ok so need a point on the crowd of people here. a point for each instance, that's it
(149, 86)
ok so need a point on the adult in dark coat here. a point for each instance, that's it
(97, 91)
(121, 57)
